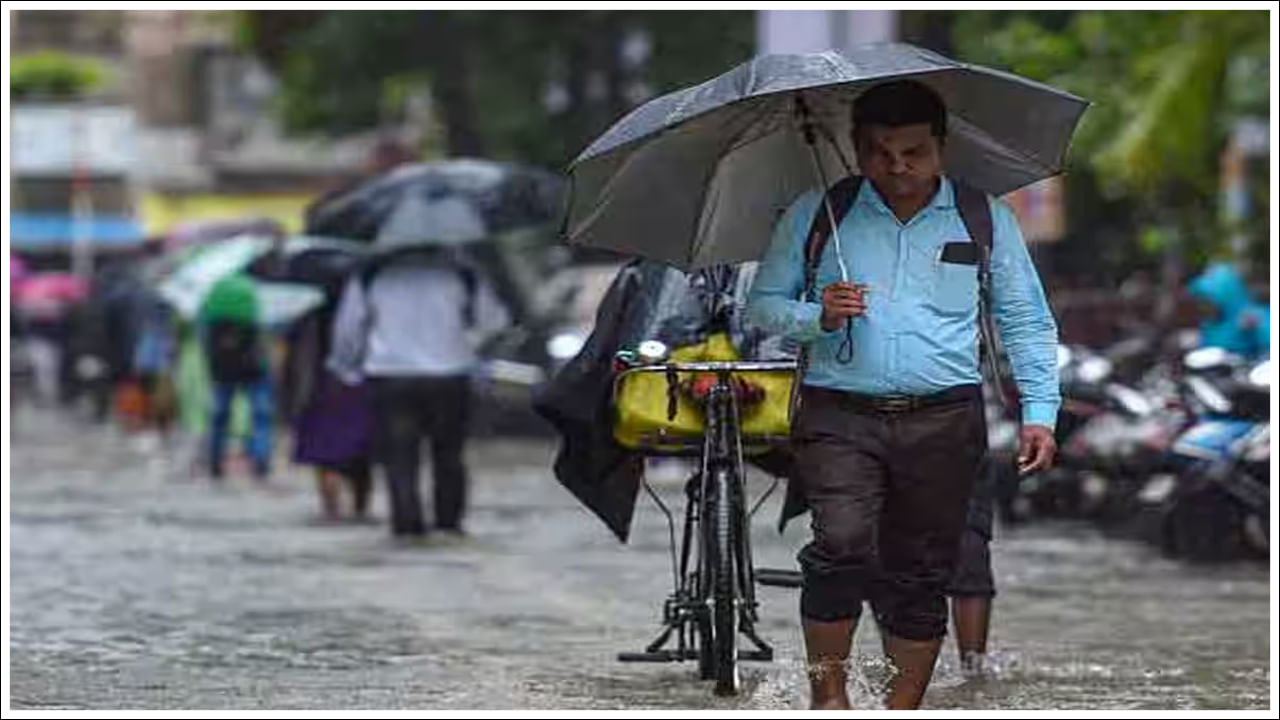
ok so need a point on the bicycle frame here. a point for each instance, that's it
(687, 613)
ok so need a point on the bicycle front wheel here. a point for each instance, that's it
(724, 584)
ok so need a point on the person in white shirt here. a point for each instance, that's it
(411, 327)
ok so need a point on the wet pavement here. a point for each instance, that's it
(135, 584)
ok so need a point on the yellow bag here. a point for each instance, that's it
(641, 398)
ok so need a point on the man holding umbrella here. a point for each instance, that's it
(890, 433)
(413, 318)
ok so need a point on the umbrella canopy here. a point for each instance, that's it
(190, 284)
(319, 262)
(699, 177)
(441, 203)
(48, 294)
(194, 276)
(203, 232)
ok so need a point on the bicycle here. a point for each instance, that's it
(713, 601)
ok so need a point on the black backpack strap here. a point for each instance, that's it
(467, 273)
(975, 212)
(470, 283)
(841, 196)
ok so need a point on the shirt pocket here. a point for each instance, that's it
(955, 287)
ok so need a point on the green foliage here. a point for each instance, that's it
(53, 75)
(489, 74)
(1153, 240)
(1166, 88)
(337, 85)
(1160, 83)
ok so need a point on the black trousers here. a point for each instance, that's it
(358, 475)
(409, 409)
(888, 494)
(973, 576)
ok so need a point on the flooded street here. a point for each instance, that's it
(135, 585)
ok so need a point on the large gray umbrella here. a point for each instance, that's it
(449, 202)
(699, 177)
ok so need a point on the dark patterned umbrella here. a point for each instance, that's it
(441, 203)
(698, 177)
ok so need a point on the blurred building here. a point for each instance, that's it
(211, 147)
(73, 160)
(181, 133)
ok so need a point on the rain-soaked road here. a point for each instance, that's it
(134, 585)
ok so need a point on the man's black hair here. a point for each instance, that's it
(898, 103)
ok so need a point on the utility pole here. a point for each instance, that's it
(81, 197)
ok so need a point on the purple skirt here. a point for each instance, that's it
(337, 425)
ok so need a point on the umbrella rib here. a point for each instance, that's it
(766, 108)
(1020, 151)
(696, 246)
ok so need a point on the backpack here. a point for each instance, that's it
(975, 213)
(235, 352)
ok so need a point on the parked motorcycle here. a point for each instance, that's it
(1216, 507)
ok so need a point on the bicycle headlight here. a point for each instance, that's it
(653, 351)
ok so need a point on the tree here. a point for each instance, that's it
(1166, 89)
(53, 75)
(532, 86)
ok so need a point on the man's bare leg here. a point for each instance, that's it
(827, 646)
(913, 662)
(971, 618)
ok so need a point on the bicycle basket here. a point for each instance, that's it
(641, 402)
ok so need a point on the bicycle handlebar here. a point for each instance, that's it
(717, 366)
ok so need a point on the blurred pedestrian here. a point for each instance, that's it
(237, 357)
(972, 589)
(44, 336)
(84, 367)
(411, 326)
(1232, 320)
(43, 302)
(155, 350)
(332, 421)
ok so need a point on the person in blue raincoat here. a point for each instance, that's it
(1235, 322)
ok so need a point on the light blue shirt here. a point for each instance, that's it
(920, 332)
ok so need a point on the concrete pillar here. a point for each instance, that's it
(799, 31)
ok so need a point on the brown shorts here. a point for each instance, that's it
(888, 495)
(972, 576)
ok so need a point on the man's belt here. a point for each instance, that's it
(897, 404)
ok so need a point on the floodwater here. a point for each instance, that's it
(136, 584)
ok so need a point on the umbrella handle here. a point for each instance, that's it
(807, 125)
(844, 355)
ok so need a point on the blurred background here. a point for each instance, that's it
(141, 122)
(140, 141)
(138, 132)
